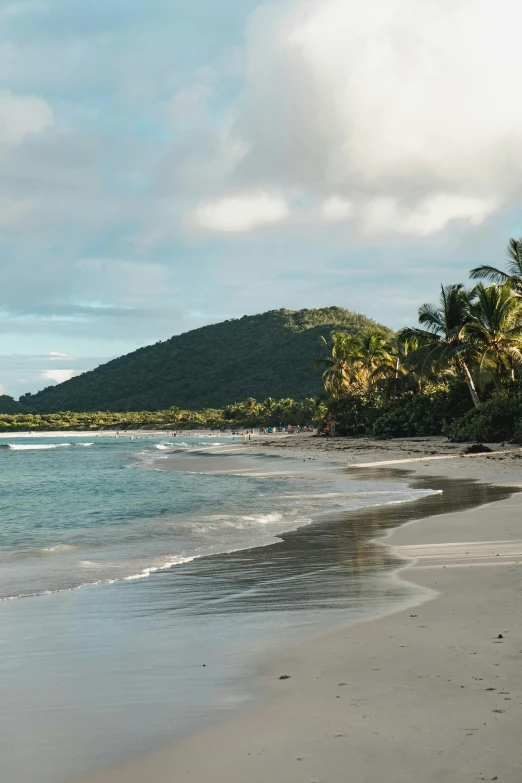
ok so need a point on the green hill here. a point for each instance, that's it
(10, 406)
(267, 355)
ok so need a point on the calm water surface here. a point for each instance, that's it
(138, 601)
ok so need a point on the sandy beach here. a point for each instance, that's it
(429, 694)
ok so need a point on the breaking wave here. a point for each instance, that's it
(40, 446)
(182, 446)
(34, 447)
(58, 549)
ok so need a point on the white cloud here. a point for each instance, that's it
(22, 116)
(386, 216)
(57, 375)
(57, 355)
(389, 99)
(242, 212)
(336, 208)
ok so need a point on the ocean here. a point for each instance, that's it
(143, 581)
(83, 512)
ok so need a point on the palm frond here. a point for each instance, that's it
(486, 272)
(514, 254)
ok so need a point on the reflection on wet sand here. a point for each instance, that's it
(331, 564)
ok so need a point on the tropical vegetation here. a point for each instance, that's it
(258, 356)
(458, 372)
(248, 413)
(9, 405)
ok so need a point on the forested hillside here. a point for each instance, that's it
(8, 405)
(266, 355)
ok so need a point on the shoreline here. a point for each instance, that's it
(106, 433)
(334, 713)
(192, 433)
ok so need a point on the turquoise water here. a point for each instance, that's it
(91, 511)
(137, 600)
(83, 511)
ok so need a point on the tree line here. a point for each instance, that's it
(458, 372)
(247, 413)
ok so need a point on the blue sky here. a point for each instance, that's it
(165, 165)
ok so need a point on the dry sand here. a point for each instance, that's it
(432, 694)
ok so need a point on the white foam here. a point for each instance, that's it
(165, 446)
(165, 567)
(58, 549)
(98, 582)
(263, 519)
(35, 447)
(229, 520)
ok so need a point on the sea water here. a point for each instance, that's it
(84, 512)
(136, 600)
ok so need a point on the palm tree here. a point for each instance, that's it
(339, 366)
(495, 327)
(250, 409)
(352, 360)
(513, 276)
(268, 409)
(444, 343)
(174, 414)
(400, 373)
(374, 352)
(319, 408)
(285, 410)
(269, 404)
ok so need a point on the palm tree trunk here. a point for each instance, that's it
(469, 380)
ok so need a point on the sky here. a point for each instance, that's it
(165, 165)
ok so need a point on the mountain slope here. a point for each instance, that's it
(10, 406)
(266, 355)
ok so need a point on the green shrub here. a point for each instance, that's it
(423, 415)
(353, 414)
(497, 419)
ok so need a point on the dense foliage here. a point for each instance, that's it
(259, 356)
(497, 419)
(459, 372)
(9, 405)
(423, 414)
(249, 413)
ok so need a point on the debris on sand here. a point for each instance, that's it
(477, 448)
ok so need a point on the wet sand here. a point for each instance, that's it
(430, 694)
